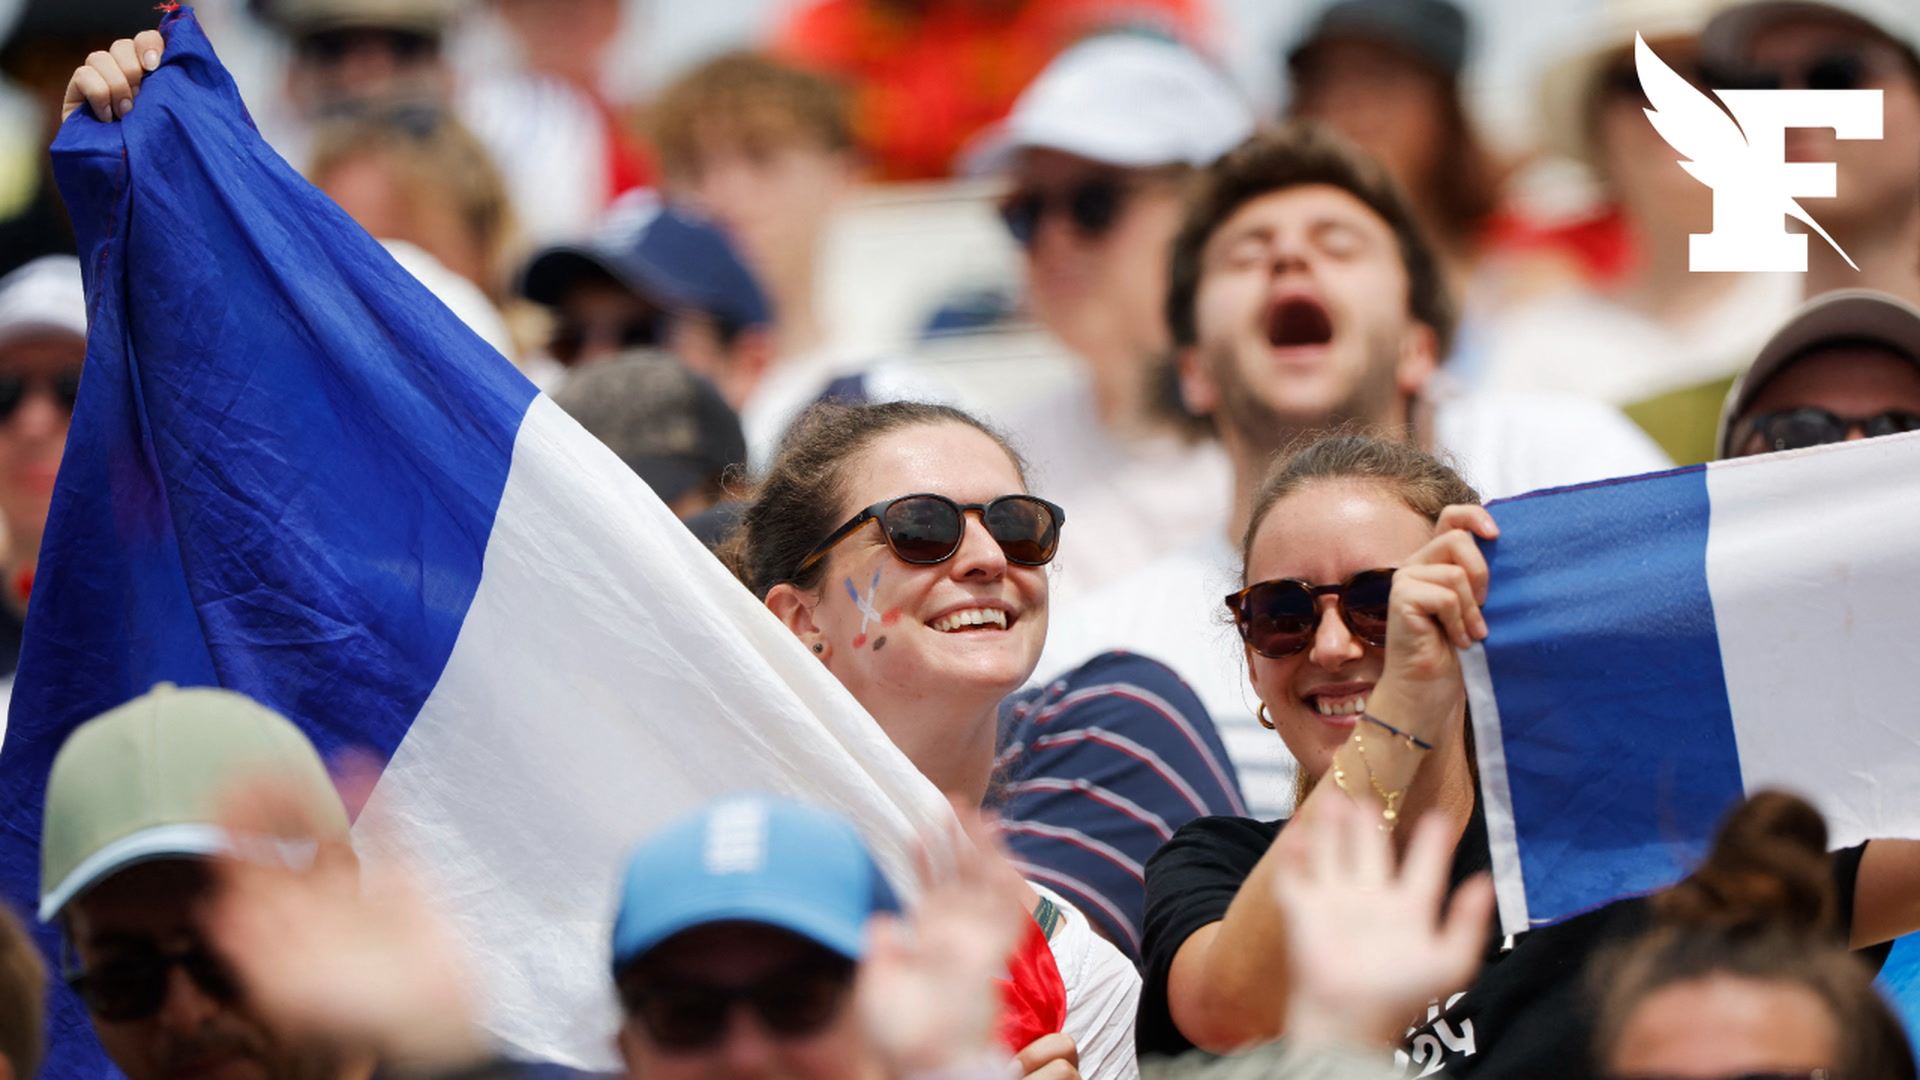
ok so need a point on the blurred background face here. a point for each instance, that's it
(564, 38)
(1097, 241)
(1724, 1026)
(600, 318)
(38, 374)
(1875, 178)
(375, 193)
(1379, 97)
(336, 67)
(1639, 167)
(773, 198)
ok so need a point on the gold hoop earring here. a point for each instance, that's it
(1261, 715)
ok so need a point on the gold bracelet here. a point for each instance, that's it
(1390, 814)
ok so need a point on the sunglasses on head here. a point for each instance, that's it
(133, 984)
(1278, 618)
(1794, 429)
(1092, 205)
(65, 388)
(927, 529)
(692, 1016)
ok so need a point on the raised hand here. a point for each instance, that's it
(927, 992)
(110, 79)
(1433, 612)
(368, 967)
(1366, 945)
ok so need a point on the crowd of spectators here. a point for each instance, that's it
(1281, 359)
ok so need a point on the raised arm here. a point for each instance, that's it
(110, 79)
(1886, 897)
(1228, 986)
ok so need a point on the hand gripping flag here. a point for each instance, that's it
(295, 474)
(1660, 647)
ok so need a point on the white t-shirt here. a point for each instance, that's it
(1171, 609)
(1593, 347)
(1127, 502)
(1103, 994)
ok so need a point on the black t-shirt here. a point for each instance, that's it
(1526, 1015)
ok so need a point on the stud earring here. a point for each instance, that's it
(819, 648)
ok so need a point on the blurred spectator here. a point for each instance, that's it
(1842, 45)
(928, 74)
(1656, 327)
(348, 52)
(669, 425)
(1846, 366)
(657, 276)
(1100, 152)
(421, 184)
(1387, 75)
(23, 981)
(412, 172)
(533, 89)
(766, 151)
(1304, 298)
(43, 342)
(38, 56)
(132, 812)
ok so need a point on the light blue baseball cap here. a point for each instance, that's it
(756, 859)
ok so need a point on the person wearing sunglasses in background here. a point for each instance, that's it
(656, 275)
(899, 543)
(1874, 215)
(1846, 366)
(1363, 578)
(1097, 153)
(43, 342)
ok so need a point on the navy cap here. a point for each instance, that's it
(1434, 30)
(756, 859)
(665, 255)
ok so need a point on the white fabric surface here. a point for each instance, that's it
(1103, 995)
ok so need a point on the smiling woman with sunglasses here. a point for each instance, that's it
(899, 543)
(1363, 577)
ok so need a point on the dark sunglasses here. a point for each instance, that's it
(571, 338)
(689, 1016)
(65, 388)
(334, 46)
(1278, 618)
(1793, 429)
(1815, 1074)
(1833, 71)
(928, 529)
(133, 985)
(1093, 206)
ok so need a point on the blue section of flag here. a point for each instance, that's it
(283, 484)
(1900, 978)
(1597, 593)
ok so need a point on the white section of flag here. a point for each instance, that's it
(610, 675)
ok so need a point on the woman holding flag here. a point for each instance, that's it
(1363, 580)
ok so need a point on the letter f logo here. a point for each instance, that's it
(1744, 160)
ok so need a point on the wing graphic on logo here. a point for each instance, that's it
(1691, 123)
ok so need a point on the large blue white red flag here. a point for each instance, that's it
(293, 473)
(1659, 647)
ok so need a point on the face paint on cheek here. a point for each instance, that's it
(892, 616)
(865, 604)
(879, 642)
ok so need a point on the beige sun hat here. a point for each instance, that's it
(1567, 88)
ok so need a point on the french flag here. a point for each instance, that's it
(1661, 646)
(293, 473)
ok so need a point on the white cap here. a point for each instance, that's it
(45, 294)
(1567, 88)
(1121, 99)
(1725, 38)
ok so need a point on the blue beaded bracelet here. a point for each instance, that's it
(1414, 739)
